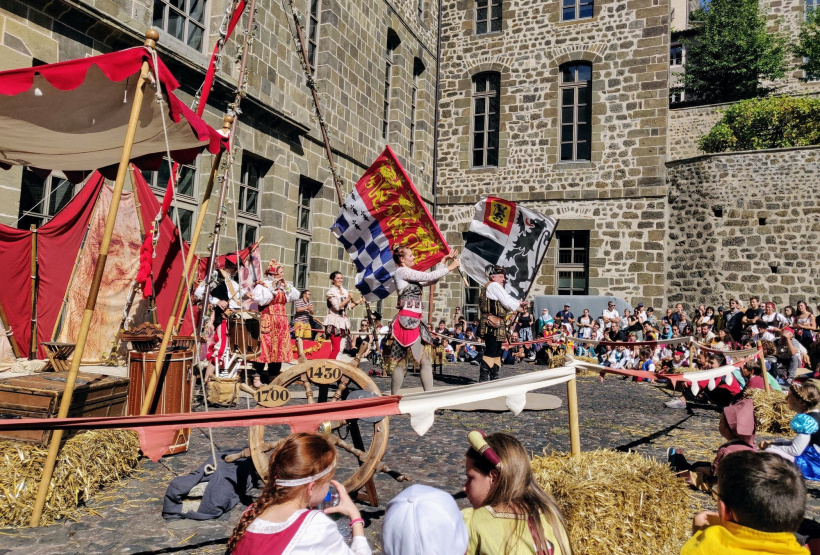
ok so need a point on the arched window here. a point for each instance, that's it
(576, 111)
(486, 108)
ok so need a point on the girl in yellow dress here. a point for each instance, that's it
(510, 514)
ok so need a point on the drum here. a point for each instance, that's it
(174, 391)
(243, 332)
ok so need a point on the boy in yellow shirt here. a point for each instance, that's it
(761, 504)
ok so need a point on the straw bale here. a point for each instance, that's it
(772, 413)
(561, 359)
(617, 502)
(86, 461)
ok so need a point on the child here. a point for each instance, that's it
(762, 503)
(449, 353)
(422, 520)
(301, 471)
(803, 450)
(737, 427)
(752, 374)
(510, 512)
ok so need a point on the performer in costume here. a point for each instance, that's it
(272, 294)
(409, 332)
(494, 303)
(337, 324)
(225, 296)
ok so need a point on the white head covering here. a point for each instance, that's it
(423, 520)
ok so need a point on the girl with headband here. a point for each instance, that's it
(510, 513)
(280, 521)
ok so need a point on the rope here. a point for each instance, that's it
(208, 468)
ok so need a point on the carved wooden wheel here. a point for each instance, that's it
(361, 441)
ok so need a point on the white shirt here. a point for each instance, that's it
(612, 315)
(496, 292)
(404, 276)
(263, 294)
(318, 534)
(233, 303)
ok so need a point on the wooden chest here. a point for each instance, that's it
(39, 396)
(174, 391)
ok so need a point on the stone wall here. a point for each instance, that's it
(744, 223)
(688, 125)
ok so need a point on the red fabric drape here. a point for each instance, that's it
(57, 244)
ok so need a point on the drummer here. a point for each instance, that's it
(225, 297)
(272, 294)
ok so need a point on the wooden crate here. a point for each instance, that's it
(174, 392)
(39, 396)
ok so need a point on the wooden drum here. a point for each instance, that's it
(174, 390)
(243, 332)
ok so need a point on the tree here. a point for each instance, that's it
(732, 53)
(807, 46)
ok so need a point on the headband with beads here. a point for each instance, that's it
(797, 390)
(478, 441)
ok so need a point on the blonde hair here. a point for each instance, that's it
(517, 489)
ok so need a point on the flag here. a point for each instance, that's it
(505, 234)
(384, 210)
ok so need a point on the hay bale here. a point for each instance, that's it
(617, 502)
(772, 414)
(562, 359)
(86, 461)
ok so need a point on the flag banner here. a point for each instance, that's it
(505, 234)
(384, 210)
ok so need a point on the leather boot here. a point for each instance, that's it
(484, 372)
(494, 372)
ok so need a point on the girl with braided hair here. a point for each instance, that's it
(510, 514)
(280, 520)
(804, 449)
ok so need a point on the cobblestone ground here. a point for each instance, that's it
(618, 414)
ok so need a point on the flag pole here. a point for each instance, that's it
(151, 36)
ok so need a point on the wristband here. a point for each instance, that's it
(356, 521)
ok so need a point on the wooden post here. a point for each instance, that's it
(54, 446)
(764, 373)
(9, 333)
(574, 426)
(32, 350)
(151, 389)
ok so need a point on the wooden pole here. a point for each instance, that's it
(574, 426)
(32, 349)
(151, 389)
(764, 373)
(9, 333)
(54, 446)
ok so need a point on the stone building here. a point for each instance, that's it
(564, 107)
(375, 67)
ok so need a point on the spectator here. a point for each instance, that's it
(678, 315)
(787, 353)
(771, 322)
(762, 503)
(543, 320)
(737, 427)
(585, 350)
(509, 513)
(456, 317)
(677, 363)
(301, 470)
(615, 333)
(513, 353)
(804, 325)
(650, 316)
(585, 325)
(704, 336)
(303, 309)
(667, 319)
(752, 374)
(618, 358)
(723, 341)
(788, 314)
(666, 332)
(458, 339)
(566, 320)
(804, 449)
(469, 353)
(733, 319)
(449, 353)
(640, 314)
(687, 330)
(751, 317)
(525, 325)
(675, 332)
(473, 327)
(597, 334)
(423, 520)
(707, 318)
(649, 333)
(442, 328)
(610, 315)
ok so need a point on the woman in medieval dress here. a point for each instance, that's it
(272, 294)
(337, 324)
(409, 332)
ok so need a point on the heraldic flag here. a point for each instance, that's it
(382, 211)
(505, 234)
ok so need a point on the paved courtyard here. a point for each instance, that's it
(618, 414)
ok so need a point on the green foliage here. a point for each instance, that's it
(808, 45)
(758, 123)
(732, 53)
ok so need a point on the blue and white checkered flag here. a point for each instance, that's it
(364, 240)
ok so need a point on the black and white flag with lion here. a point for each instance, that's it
(508, 235)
